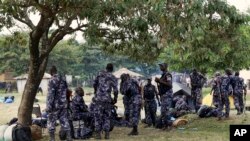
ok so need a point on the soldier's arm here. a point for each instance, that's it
(115, 88)
(95, 84)
(51, 95)
(167, 81)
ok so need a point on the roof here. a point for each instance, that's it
(125, 70)
(25, 76)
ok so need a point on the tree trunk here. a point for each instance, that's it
(36, 71)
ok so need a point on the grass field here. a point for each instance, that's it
(197, 129)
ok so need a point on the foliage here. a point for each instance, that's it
(14, 53)
(208, 35)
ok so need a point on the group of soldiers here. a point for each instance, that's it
(134, 96)
(225, 85)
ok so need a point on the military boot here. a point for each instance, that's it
(134, 131)
(98, 136)
(51, 136)
(106, 135)
(68, 136)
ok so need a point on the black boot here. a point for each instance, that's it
(68, 137)
(134, 131)
(98, 136)
(51, 136)
(106, 135)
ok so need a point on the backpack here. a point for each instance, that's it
(21, 133)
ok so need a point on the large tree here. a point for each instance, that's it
(141, 29)
(214, 36)
(109, 22)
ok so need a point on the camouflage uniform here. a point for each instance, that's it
(197, 81)
(181, 104)
(131, 89)
(238, 88)
(150, 103)
(216, 91)
(166, 94)
(78, 107)
(125, 102)
(57, 103)
(103, 85)
(226, 81)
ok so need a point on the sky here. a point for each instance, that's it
(242, 5)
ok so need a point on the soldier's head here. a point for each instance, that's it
(53, 70)
(163, 66)
(125, 77)
(79, 91)
(194, 71)
(228, 71)
(149, 80)
(237, 73)
(109, 67)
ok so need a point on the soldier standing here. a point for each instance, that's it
(216, 89)
(197, 81)
(104, 83)
(165, 90)
(125, 97)
(131, 89)
(226, 81)
(238, 91)
(57, 104)
(150, 92)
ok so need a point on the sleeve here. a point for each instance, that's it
(115, 86)
(168, 77)
(51, 95)
(95, 83)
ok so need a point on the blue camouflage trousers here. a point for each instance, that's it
(62, 116)
(150, 111)
(135, 109)
(126, 107)
(197, 97)
(102, 115)
(216, 100)
(238, 101)
(166, 104)
(224, 102)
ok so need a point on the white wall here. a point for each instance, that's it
(43, 85)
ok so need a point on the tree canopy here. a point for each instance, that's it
(199, 33)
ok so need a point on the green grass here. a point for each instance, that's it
(208, 129)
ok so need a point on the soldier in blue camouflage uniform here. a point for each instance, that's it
(57, 104)
(125, 99)
(181, 107)
(131, 89)
(197, 81)
(216, 89)
(238, 91)
(165, 90)
(104, 83)
(226, 81)
(79, 108)
(149, 94)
